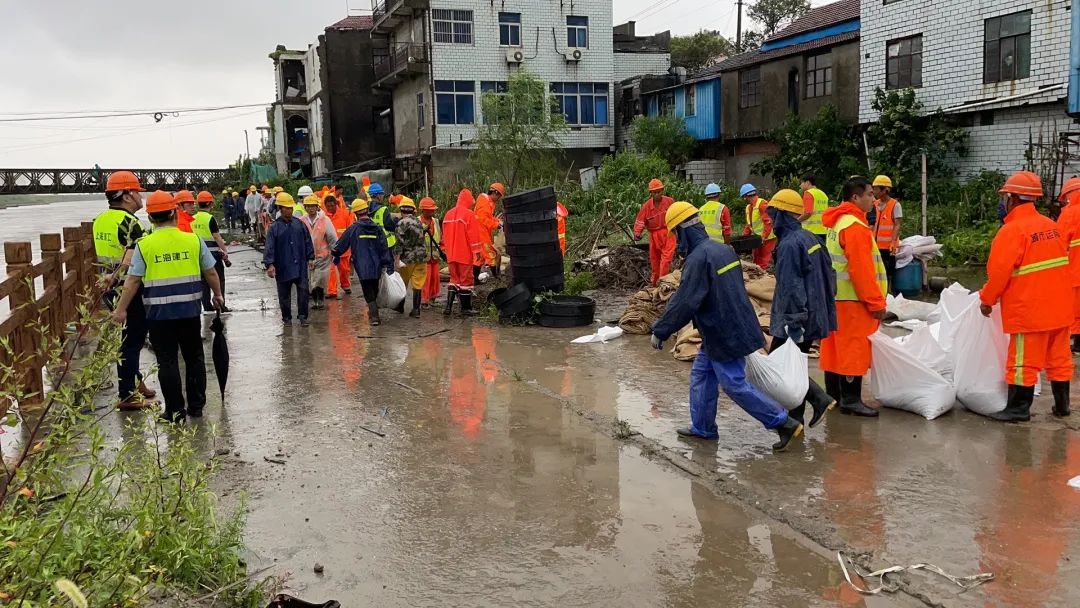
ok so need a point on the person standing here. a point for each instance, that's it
(759, 223)
(415, 245)
(803, 307)
(185, 212)
(370, 255)
(433, 282)
(486, 205)
(661, 243)
(1028, 273)
(561, 213)
(205, 226)
(171, 265)
(887, 219)
(323, 238)
(252, 204)
(116, 231)
(713, 296)
(860, 297)
(716, 216)
(815, 204)
(461, 243)
(288, 257)
(1069, 226)
(341, 272)
(227, 208)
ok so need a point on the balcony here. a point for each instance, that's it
(388, 14)
(402, 61)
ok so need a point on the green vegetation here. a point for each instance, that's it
(700, 50)
(823, 145)
(663, 136)
(577, 284)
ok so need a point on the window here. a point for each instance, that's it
(496, 87)
(582, 103)
(577, 32)
(452, 26)
(1007, 47)
(667, 103)
(819, 75)
(510, 29)
(454, 103)
(690, 103)
(421, 115)
(493, 88)
(750, 88)
(903, 66)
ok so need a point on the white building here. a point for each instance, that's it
(1001, 66)
(290, 111)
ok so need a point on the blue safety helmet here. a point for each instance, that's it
(712, 190)
(747, 189)
(374, 190)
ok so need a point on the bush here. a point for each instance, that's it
(663, 136)
(823, 145)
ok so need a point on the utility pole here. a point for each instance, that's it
(248, 145)
(738, 28)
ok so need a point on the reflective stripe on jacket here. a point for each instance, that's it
(107, 236)
(821, 204)
(1069, 227)
(201, 227)
(885, 227)
(758, 220)
(172, 284)
(846, 288)
(717, 220)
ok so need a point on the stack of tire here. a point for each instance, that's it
(532, 240)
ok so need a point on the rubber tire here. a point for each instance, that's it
(502, 295)
(555, 283)
(536, 272)
(568, 306)
(532, 238)
(532, 207)
(533, 217)
(549, 225)
(545, 193)
(563, 322)
(530, 251)
(550, 259)
(515, 308)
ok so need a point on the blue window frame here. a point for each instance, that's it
(510, 29)
(455, 102)
(582, 103)
(577, 32)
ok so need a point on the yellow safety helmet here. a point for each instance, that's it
(311, 199)
(277, 190)
(236, 194)
(253, 189)
(678, 213)
(787, 200)
(359, 205)
(284, 199)
(883, 181)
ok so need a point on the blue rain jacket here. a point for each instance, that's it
(370, 254)
(805, 282)
(288, 248)
(712, 294)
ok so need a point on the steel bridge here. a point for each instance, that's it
(90, 181)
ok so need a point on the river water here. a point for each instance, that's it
(28, 222)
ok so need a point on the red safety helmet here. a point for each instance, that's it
(1024, 184)
(656, 185)
(1071, 185)
(123, 180)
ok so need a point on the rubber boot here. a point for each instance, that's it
(1018, 407)
(466, 305)
(789, 430)
(1061, 398)
(373, 314)
(799, 413)
(400, 308)
(450, 295)
(820, 401)
(832, 386)
(415, 313)
(1076, 343)
(851, 402)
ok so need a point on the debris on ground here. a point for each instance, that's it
(621, 267)
(964, 582)
(647, 305)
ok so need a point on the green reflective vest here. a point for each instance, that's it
(845, 288)
(821, 204)
(172, 284)
(757, 224)
(378, 218)
(107, 236)
(711, 214)
(201, 227)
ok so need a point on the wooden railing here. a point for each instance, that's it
(68, 275)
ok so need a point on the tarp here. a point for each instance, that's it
(262, 173)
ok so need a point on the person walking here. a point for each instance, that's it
(116, 231)
(227, 208)
(415, 247)
(171, 265)
(461, 243)
(486, 205)
(381, 215)
(205, 226)
(185, 212)
(433, 282)
(713, 296)
(860, 297)
(887, 219)
(759, 223)
(716, 216)
(370, 255)
(323, 238)
(803, 306)
(1069, 226)
(341, 272)
(815, 204)
(661, 243)
(288, 257)
(1028, 273)
(252, 204)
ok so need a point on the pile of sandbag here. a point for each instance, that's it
(917, 248)
(647, 305)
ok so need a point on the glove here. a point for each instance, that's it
(796, 333)
(637, 237)
(657, 343)
(389, 272)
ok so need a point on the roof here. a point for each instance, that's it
(820, 17)
(354, 22)
(752, 58)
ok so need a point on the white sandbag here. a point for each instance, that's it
(781, 375)
(922, 345)
(906, 309)
(604, 334)
(392, 291)
(910, 324)
(899, 380)
(954, 301)
(979, 350)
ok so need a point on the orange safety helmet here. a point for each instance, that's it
(205, 197)
(1024, 184)
(365, 181)
(497, 187)
(1071, 185)
(656, 185)
(160, 201)
(184, 196)
(428, 204)
(123, 180)
(395, 199)
(560, 210)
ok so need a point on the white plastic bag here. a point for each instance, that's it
(781, 375)
(391, 291)
(906, 310)
(922, 345)
(979, 350)
(604, 334)
(899, 380)
(954, 302)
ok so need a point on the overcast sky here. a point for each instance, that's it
(66, 56)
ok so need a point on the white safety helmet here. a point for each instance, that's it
(304, 191)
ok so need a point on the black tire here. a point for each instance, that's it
(536, 272)
(545, 226)
(532, 238)
(532, 251)
(530, 196)
(568, 306)
(531, 207)
(554, 282)
(548, 259)
(515, 308)
(563, 322)
(533, 217)
(505, 294)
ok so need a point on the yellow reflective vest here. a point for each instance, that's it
(845, 288)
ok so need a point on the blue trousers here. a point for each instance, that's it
(707, 377)
(284, 293)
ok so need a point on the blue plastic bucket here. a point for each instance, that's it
(908, 280)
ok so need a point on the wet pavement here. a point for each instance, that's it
(481, 466)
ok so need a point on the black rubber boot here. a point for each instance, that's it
(820, 401)
(832, 386)
(466, 305)
(798, 413)
(1018, 407)
(415, 313)
(791, 429)
(1076, 343)
(1061, 398)
(450, 295)
(373, 314)
(851, 402)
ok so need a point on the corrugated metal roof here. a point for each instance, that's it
(822, 16)
(752, 58)
(355, 22)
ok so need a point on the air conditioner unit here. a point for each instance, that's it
(514, 56)
(574, 55)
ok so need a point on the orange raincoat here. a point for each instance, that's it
(488, 224)
(1069, 227)
(661, 242)
(341, 220)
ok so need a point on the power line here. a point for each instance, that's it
(119, 114)
(653, 9)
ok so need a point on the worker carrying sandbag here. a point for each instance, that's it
(712, 295)
(1028, 272)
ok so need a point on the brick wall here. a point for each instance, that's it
(705, 172)
(1001, 146)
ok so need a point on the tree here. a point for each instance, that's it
(520, 132)
(823, 145)
(663, 136)
(751, 40)
(772, 14)
(699, 50)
